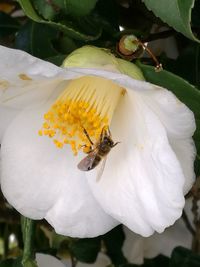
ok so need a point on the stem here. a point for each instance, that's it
(187, 223)
(196, 238)
(28, 259)
(158, 65)
(195, 210)
(73, 261)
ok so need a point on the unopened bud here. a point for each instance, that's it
(128, 45)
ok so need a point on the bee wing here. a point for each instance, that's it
(86, 163)
(101, 169)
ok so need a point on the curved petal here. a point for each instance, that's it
(26, 80)
(40, 180)
(145, 190)
(179, 123)
(136, 248)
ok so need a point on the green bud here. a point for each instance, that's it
(130, 69)
(99, 58)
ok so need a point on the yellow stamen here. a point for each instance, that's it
(84, 108)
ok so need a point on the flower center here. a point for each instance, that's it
(81, 112)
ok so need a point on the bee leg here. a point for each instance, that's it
(115, 144)
(109, 132)
(90, 149)
(87, 135)
(103, 133)
(106, 131)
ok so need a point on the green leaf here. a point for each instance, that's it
(8, 25)
(189, 59)
(182, 257)
(57, 60)
(86, 249)
(12, 263)
(158, 261)
(7, 263)
(186, 92)
(79, 7)
(45, 8)
(66, 26)
(36, 40)
(176, 13)
(66, 45)
(114, 241)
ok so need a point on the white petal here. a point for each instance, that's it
(185, 152)
(179, 123)
(26, 80)
(15, 62)
(174, 236)
(171, 112)
(142, 184)
(136, 248)
(45, 260)
(40, 180)
(6, 116)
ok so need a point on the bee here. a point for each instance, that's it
(98, 151)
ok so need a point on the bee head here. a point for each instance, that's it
(108, 141)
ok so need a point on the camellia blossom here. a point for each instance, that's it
(46, 112)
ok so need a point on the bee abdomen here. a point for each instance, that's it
(104, 151)
(96, 161)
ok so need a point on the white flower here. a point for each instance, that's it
(146, 175)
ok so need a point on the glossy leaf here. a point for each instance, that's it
(86, 249)
(45, 9)
(57, 60)
(65, 26)
(78, 7)
(158, 261)
(186, 92)
(36, 40)
(114, 241)
(176, 13)
(182, 257)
